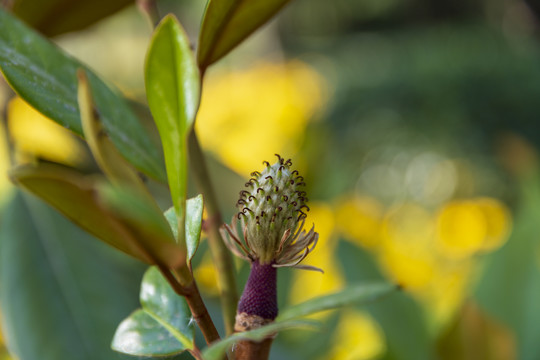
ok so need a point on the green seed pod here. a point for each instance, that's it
(272, 211)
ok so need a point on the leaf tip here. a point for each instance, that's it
(81, 76)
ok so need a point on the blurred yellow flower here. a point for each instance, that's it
(461, 229)
(359, 219)
(205, 273)
(356, 337)
(249, 115)
(407, 239)
(5, 184)
(446, 291)
(36, 136)
(498, 221)
(428, 252)
(468, 226)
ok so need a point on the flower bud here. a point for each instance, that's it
(272, 210)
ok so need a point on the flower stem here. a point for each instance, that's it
(220, 254)
(251, 350)
(260, 293)
(257, 307)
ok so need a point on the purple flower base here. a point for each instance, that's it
(260, 294)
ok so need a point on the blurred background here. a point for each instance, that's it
(415, 124)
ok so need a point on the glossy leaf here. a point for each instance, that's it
(194, 212)
(218, 349)
(144, 220)
(60, 16)
(142, 335)
(62, 293)
(162, 327)
(227, 23)
(115, 167)
(353, 294)
(172, 88)
(45, 77)
(74, 195)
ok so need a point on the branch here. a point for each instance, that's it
(220, 254)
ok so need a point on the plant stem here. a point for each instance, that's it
(195, 302)
(196, 353)
(251, 350)
(220, 254)
(200, 313)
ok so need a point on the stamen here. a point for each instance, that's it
(283, 239)
(236, 240)
(255, 180)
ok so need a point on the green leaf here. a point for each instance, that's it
(172, 88)
(45, 77)
(162, 327)
(115, 167)
(142, 335)
(144, 220)
(218, 349)
(227, 23)
(194, 209)
(62, 293)
(353, 294)
(60, 16)
(194, 213)
(74, 195)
